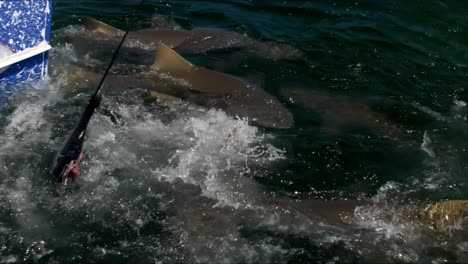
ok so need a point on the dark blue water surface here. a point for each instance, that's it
(378, 95)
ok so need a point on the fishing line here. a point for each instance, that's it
(98, 89)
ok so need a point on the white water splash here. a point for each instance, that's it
(426, 145)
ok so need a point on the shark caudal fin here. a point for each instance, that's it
(169, 60)
(94, 25)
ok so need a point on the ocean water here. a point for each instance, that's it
(379, 98)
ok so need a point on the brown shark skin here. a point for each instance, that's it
(445, 215)
(438, 216)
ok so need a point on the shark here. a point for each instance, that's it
(338, 112)
(173, 77)
(342, 214)
(196, 40)
(198, 214)
(201, 220)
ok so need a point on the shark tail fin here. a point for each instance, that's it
(94, 25)
(169, 60)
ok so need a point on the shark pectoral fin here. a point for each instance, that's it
(94, 25)
(168, 60)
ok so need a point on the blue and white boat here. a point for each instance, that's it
(24, 40)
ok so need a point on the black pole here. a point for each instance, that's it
(68, 159)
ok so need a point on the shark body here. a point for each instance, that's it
(197, 40)
(172, 75)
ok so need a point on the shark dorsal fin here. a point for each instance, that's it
(169, 60)
(94, 25)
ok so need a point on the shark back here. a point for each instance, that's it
(97, 26)
(172, 38)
